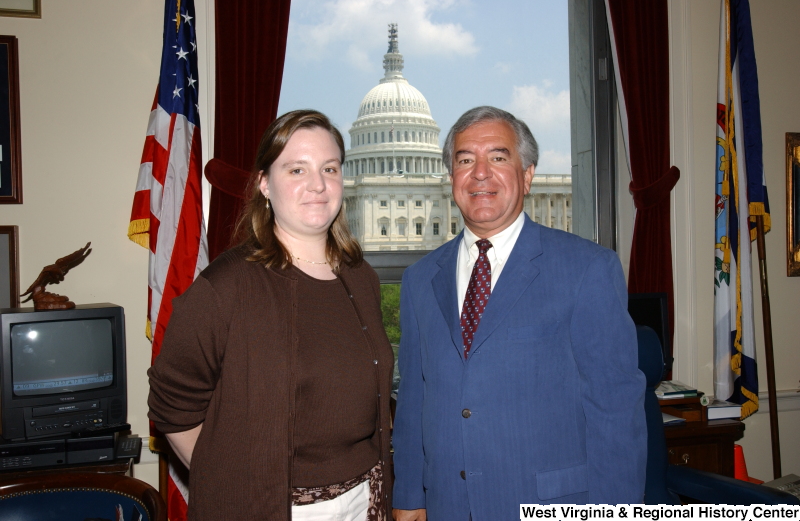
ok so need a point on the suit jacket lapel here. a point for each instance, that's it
(445, 290)
(518, 273)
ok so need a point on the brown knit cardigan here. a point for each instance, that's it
(228, 362)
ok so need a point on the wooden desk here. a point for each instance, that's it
(704, 445)
(121, 466)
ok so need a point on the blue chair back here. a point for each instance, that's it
(66, 495)
(58, 505)
(651, 363)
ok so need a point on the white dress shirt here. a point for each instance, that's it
(502, 244)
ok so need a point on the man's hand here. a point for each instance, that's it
(409, 515)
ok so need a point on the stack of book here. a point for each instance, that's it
(679, 400)
(719, 409)
(673, 389)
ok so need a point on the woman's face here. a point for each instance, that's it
(304, 184)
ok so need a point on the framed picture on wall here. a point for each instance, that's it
(21, 8)
(9, 267)
(10, 148)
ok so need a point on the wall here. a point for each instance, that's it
(694, 28)
(88, 72)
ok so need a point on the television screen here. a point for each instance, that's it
(61, 356)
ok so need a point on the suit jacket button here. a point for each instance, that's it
(463, 475)
(466, 413)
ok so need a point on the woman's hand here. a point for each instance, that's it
(409, 515)
(183, 443)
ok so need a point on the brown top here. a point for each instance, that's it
(335, 431)
(230, 361)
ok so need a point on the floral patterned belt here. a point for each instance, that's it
(377, 512)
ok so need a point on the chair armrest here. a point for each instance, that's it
(722, 490)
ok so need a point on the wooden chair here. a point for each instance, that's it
(85, 496)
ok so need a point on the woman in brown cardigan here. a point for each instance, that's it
(274, 377)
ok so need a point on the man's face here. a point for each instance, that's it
(489, 183)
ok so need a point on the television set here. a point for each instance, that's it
(650, 309)
(62, 372)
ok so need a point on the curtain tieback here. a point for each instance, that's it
(227, 178)
(652, 194)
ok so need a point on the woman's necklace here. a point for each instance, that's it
(308, 261)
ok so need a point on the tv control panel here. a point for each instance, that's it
(58, 420)
(75, 418)
(63, 424)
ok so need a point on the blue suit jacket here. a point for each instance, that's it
(555, 397)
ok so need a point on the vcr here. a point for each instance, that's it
(58, 420)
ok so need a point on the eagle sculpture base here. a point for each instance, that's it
(44, 300)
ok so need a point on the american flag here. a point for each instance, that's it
(167, 215)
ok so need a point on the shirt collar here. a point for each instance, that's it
(502, 243)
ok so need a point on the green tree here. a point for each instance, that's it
(390, 307)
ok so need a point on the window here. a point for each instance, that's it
(368, 141)
(435, 203)
(401, 228)
(382, 138)
(401, 203)
(384, 203)
(418, 203)
(436, 229)
(383, 230)
(418, 226)
(454, 228)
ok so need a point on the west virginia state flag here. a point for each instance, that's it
(741, 194)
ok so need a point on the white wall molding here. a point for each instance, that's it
(206, 60)
(683, 215)
(786, 400)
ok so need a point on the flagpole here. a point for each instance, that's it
(163, 475)
(766, 316)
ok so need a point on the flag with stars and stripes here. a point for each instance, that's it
(741, 194)
(167, 214)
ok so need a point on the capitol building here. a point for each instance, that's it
(397, 192)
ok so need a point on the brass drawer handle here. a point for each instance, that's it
(684, 458)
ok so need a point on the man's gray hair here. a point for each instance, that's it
(527, 148)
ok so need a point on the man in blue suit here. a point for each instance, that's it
(518, 359)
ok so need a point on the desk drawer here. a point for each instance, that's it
(701, 457)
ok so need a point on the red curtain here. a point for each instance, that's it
(250, 51)
(641, 38)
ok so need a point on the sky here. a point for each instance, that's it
(512, 54)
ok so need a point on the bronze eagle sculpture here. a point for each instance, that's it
(53, 274)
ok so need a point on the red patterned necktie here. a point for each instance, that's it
(478, 291)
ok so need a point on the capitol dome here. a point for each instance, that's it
(394, 96)
(394, 133)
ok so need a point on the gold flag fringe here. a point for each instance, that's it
(139, 232)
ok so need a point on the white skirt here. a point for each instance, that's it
(350, 506)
